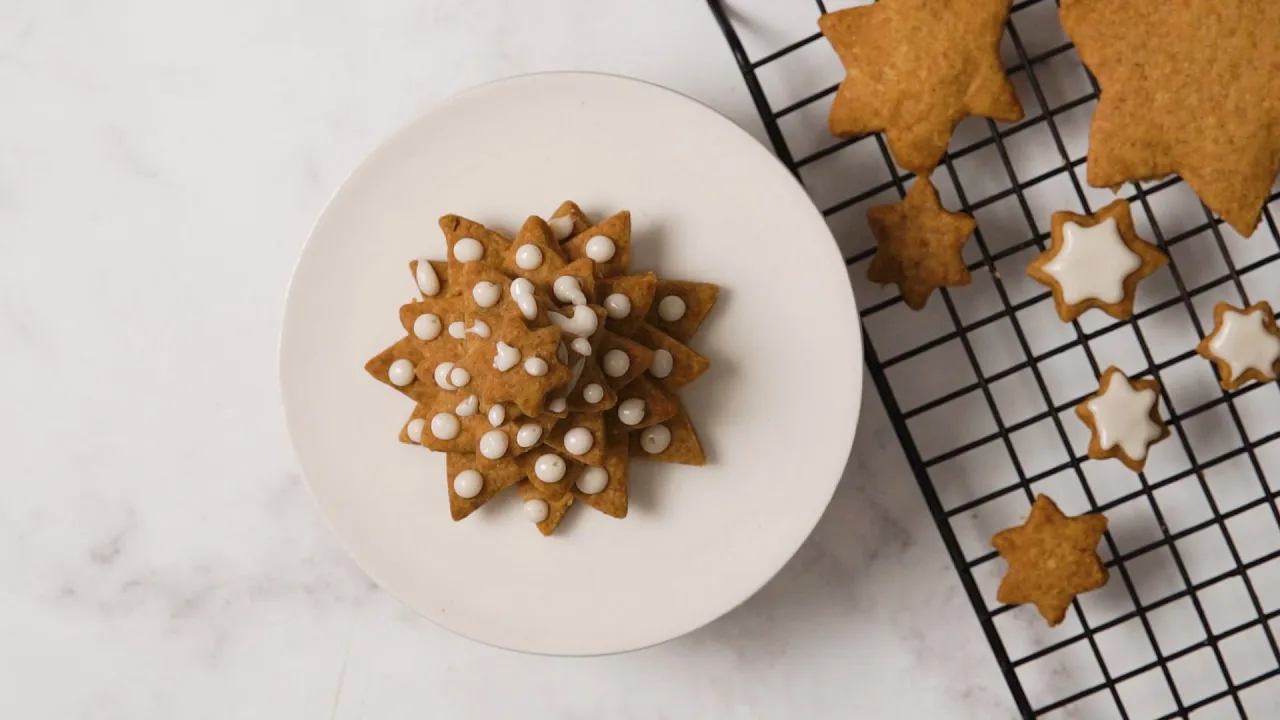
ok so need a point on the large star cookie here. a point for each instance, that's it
(1096, 261)
(1052, 558)
(915, 69)
(1189, 87)
(918, 244)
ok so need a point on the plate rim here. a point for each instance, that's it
(855, 330)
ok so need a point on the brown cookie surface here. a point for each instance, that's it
(1189, 87)
(1052, 558)
(915, 68)
(919, 244)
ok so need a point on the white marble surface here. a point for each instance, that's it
(160, 166)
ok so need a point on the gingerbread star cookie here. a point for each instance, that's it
(1189, 87)
(535, 362)
(915, 69)
(1095, 261)
(1124, 417)
(1052, 558)
(1244, 344)
(918, 244)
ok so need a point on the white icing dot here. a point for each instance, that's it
(428, 281)
(459, 377)
(468, 407)
(528, 435)
(535, 366)
(486, 294)
(427, 326)
(445, 426)
(536, 510)
(561, 227)
(468, 250)
(441, 375)
(528, 257)
(582, 346)
(671, 308)
(522, 293)
(583, 323)
(616, 363)
(557, 405)
(578, 441)
(617, 305)
(493, 444)
(479, 328)
(600, 249)
(631, 411)
(549, 468)
(567, 289)
(457, 330)
(506, 357)
(662, 364)
(593, 480)
(593, 393)
(497, 415)
(414, 429)
(655, 439)
(467, 484)
(400, 373)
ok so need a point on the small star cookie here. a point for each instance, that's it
(1124, 417)
(1244, 344)
(1189, 87)
(915, 69)
(1052, 558)
(1095, 261)
(918, 244)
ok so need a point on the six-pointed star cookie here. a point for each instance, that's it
(915, 69)
(1189, 87)
(1052, 558)
(918, 244)
(1244, 344)
(1124, 417)
(1095, 261)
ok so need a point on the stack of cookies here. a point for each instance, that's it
(543, 362)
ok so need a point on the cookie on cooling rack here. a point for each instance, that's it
(1095, 261)
(1052, 558)
(1212, 120)
(919, 244)
(915, 69)
(1244, 345)
(1124, 419)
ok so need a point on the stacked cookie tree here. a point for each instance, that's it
(540, 362)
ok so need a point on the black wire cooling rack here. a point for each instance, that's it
(980, 387)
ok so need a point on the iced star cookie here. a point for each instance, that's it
(1244, 345)
(533, 362)
(915, 68)
(1211, 120)
(1052, 558)
(919, 244)
(1124, 418)
(1095, 261)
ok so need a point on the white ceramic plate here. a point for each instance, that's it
(776, 412)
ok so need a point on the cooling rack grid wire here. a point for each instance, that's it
(980, 387)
